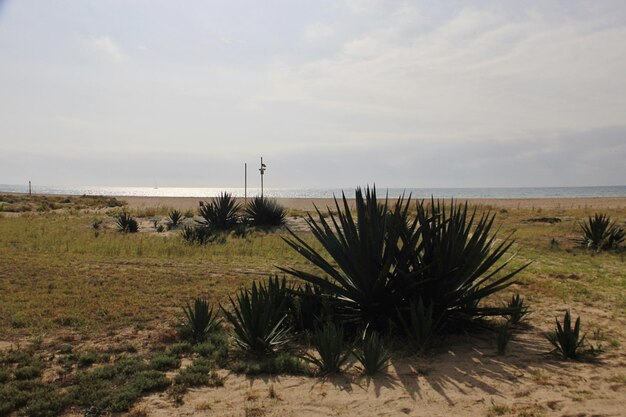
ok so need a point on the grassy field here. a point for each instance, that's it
(114, 295)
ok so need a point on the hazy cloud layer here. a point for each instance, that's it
(332, 94)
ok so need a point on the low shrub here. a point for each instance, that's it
(174, 218)
(200, 235)
(221, 213)
(600, 233)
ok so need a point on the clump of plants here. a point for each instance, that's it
(518, 310)
(199, 235)
(383, 269)
(372, 353)
(600, 233)
(126, 223)
(262, 211)
(221, 213)
(331, 352)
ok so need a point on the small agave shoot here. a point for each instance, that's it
(600, 233)
(174, 218)
(259, 317)
(126, 223)
(200, 320)
(566, 339)
(418, 324)
(328, 342)
(372, 353)
(221, 213)
(503, 337)
(265, 212)
(199, 235)
(518, 310)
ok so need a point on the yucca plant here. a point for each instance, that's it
(372, 353)
(174, 218)
(518, 310)
(332, 354)
(308, 307)
(263, 211)
(126, 223)
(258, 317)
(361, 274)
(200, 320)
(567, 339)
(503, 336)
(200, 235)
(221, 213)
(600, 233)
(460, 260)
(418, 324)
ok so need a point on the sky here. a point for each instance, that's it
(330, 93)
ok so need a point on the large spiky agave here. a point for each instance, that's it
(362, 277)
(259, 317)
(265, 212)
(126, 223)
(600, 233)
(567, 339)
(200, 320)
(221, 213)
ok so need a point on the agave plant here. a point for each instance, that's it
(308, 307)
(372, 353)
(418, 324)
(200, 320)
(126, 223)
(518, 310)
(459, 260)
(567, 339)
(174, 218)
(328, 342)
(600, 233)
(258, 317)
(362, 277)
(221, 213)
(265, 212)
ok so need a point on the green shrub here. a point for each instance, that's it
(126, 223)
(214, 348)
(258, 317)
(600, 233)
(28, 372)
(567, 339)
(328, 342)
(200, 320)
(174, 218)
(200, 373)
(164, 362)
(221, 213)
(372, 354)
(280, 364)
(262, 211)
(308, 308)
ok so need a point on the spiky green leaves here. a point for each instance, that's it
(567, 339)
(126, 223)
(199, 320)
(372, 353)
(600, 233)
(259, 317)
(174, 218)
(221, 213)
(263, 211)
(331, 353)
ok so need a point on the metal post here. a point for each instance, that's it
(245, 182)
(30, 188)
(262, 171)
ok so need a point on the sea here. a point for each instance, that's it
(487, 192)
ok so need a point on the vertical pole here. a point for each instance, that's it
(262, 170)
(30, 188)
(245, 182)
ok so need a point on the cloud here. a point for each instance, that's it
(318, 31)
(107, 46)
